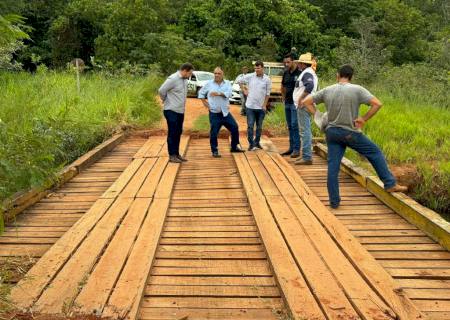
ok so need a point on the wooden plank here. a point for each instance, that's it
(211, 254)
(428, 294)
(63, 289)
(424, 283)
(433, 305)
(322, 281)
(164, 188)
(330, 264)
(360, 258)
(299, 298)
(141, 152)
(213, 281)
(210, 314)
(123, 179)
(100, 283)
(240, 270)
(211, 291)
(28, 290)
(212, 302)
(125, 299)
(133, 187)
(152, 180)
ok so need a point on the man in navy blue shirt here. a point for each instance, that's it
(215, 95)
(290, 77)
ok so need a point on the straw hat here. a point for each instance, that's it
(306, 58)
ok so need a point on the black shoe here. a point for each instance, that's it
(216, 154)
(236, 150)
(258, 146)
(286, 153)
(295, 154)
(250, 148)
(334, 206)
(174, 159)
(181, 158)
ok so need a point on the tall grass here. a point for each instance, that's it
(45, 124)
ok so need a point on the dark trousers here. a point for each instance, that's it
(338, 139)
(175, 129)
(216, 121)
(254, 116)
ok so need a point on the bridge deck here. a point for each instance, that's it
(240, 237)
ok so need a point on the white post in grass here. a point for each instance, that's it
(78, 75)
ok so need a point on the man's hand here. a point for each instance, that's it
(359, 122)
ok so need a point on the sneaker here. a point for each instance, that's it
(258, 146)
(286, 153)
(216, 154)
(181, 158)
(295, 154)
(397, 188)
(303, 162)
(250, 148)
(254, 149)
(174, 159)
(236, 150)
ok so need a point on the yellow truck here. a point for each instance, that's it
(275, 71)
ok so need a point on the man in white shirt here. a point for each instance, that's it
(258, 93)
(306, 84)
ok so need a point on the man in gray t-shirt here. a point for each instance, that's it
(343, 130)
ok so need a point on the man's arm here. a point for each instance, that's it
(202, 95)
(375, 106)
(308, 83)
(283, 93)
(166, 86)
(308, 102)
(268, 90)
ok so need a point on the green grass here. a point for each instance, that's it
(201, 124)
(45, 124)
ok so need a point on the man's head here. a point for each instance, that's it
(259, 68)
(244, 69)
(218, 74)
(345, 72)
(186, 70)
(289, 62)
(305, 61)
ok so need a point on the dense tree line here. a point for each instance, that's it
(160, 34)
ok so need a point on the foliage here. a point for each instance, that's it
(11, 34)
(45, 124)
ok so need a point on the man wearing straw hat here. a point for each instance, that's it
(306, 84)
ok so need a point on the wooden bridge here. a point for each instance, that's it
(246, 236)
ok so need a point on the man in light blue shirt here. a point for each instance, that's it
(215, 95)
(258, 93)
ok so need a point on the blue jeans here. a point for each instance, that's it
(292, 123)
(338, 139)
(254, 116)
(174, 130)
(216, 121)
(304, 124)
